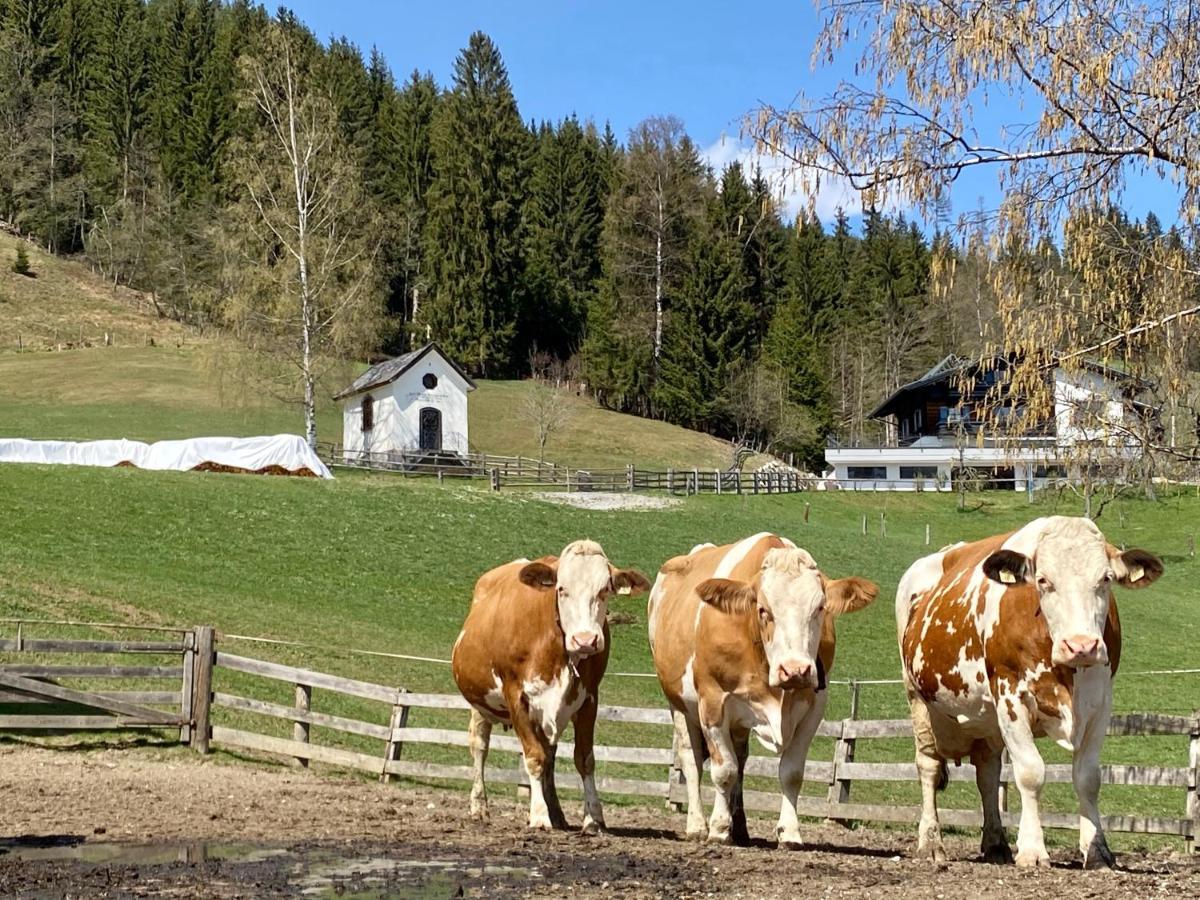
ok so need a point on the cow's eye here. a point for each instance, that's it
(1043, 582)
(820, 610)
(1109, 576)
(764, 615)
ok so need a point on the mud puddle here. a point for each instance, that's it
(39, 865)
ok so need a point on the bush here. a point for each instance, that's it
(21, 265)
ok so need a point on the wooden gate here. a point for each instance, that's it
(39, 694)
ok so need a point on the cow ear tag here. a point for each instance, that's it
(1137, 573)
(625, 589)
(1007, 577)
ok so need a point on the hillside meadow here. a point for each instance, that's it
(386, 564)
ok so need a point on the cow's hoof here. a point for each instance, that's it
(1098, 856)
(540, 825)
(720, 837)
(480, 815)
(793, 843)
(697, 834)
(1033, 859)
(934, 853)
(592, 827)
(998, 854)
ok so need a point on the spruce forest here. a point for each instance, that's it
(298, 194)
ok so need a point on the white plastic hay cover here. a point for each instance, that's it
(288, 451)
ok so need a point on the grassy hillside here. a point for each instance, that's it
(152, 393)
(62, 301)
(385, 564)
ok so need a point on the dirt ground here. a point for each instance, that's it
(136, 822)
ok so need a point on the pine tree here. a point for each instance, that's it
(116, 103)
(473, 234)
(563, 214)
(21, 263)
(709, 331)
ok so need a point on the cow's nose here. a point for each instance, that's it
(793, 670)
(1082, 648)
(585, 641)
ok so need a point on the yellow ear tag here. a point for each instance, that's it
(1007, 577)
(1137, 573)
(625, 589)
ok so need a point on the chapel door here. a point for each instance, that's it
(431, 429)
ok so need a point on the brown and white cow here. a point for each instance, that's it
(531, 655)
(743, 639)
(1004, 640)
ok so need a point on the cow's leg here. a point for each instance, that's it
(987, 762)
(791, 774)
(585, 763)
(479, 735)
(931, 769)
(538, 759)
(739, 830)
(691, 760)
(1029, 772)
(1085, 764)
(550, 789)
(724, 770)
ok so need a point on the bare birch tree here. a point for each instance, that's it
(312, 295)
(548, 410)
(1112, 95)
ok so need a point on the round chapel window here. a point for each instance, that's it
(430, 381)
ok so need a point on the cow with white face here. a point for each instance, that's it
(743, 640)
(531, 655)
(1008, 639)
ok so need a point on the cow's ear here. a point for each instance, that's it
(1008, 567)
(676, 565)
(1136, 568)
(846, 595)
(630, 582)
(732, 597)
(538, 575)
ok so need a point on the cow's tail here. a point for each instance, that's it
(943, 775)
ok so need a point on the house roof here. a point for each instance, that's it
(952, 366)
(390, 369)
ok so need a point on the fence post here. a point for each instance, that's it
(696, 480)
(717, 479)
(1193, 801)
(755, 476)
(864, 525)
(883, 524)
(629, 478)
(737, 482)
(187, 694)
(391, 753)
(843, 752)
(495, 478)
(805, 512)
(675, 775)
(202, 688)
(926, 534)
(670, 480)
(300, 730)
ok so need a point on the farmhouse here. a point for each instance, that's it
(415, 403)
(938, 432)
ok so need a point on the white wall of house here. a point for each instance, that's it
(397, 410)
(1085, 403)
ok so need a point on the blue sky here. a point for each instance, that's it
(708, 63)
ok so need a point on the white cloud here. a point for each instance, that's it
(791, 185)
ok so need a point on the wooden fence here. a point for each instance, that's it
(524, 472)
(201, 713)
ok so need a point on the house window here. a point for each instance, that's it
(430, 381)
(918, 471)
(368, 412)
(867, 473)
